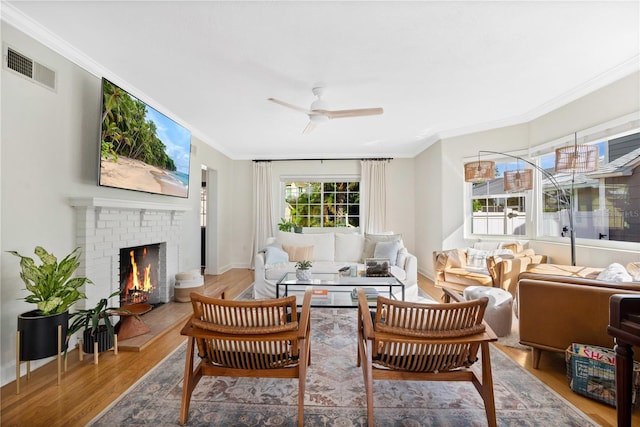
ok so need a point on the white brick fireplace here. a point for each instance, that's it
(104, 226)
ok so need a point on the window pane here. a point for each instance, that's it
(327, 204)
(495, 212)
(604, 206)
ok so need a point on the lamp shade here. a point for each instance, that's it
(577, 158)
(480, 171)
(518, 181)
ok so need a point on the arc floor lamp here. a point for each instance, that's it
(569, 159)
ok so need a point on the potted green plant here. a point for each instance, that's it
(96, 325)
(54, 291)
(302, 270)
(285, 225)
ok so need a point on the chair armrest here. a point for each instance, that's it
(450, 295)
(364, 315)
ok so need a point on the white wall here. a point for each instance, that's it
(49, 154)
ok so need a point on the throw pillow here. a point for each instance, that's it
(387, 250)
(615, 273)
(299, 253)
(274, 255)
(633, 268)
(370, 241)
(477, 258)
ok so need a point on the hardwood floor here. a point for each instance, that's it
(86, 389)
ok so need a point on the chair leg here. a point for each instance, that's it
(190, 381)
(367, 370)
(487, 386)
(302, 380)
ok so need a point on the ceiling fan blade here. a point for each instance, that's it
(286, 104)
(337, 114)
(310, 126)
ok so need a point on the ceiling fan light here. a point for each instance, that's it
(319, 104)
(479, 171)
(317, 118)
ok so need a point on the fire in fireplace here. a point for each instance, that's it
(138, 273)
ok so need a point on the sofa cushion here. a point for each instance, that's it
(299, 253)
(462, 276)
(348, 247)
(323, 243)
(388, 250)
(615, 273)
(370, 241)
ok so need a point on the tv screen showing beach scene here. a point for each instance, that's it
(140, 148)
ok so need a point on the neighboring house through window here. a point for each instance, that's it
(606, 203)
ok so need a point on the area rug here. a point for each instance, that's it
(335, 393)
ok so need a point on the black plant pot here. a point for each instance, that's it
(39, 334)
(102, 337)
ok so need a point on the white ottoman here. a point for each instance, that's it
(187, 283)
(498, 314)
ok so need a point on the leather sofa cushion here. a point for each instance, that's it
(465, 277)
(564, 270)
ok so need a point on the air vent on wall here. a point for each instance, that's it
(27, 67)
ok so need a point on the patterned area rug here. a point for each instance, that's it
(335, 393)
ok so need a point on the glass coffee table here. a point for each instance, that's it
(334, 290)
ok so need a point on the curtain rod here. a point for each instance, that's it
(321, 160)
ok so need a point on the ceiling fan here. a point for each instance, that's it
(319, 112)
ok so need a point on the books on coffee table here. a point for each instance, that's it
(371, 293)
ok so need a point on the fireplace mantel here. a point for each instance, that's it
(101, 202)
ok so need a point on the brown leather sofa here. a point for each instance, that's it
(556, 310)
(452, 269)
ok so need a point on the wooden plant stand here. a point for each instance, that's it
(19, 361)
(81, 352)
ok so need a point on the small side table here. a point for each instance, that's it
(130, 324)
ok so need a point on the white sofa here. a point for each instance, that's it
(331, 251)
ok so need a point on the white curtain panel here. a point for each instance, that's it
(373, 195)
(263, 220)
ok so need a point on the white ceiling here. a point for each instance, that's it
(438, 69)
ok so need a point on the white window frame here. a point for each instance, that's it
(612, 129)
(323, 179)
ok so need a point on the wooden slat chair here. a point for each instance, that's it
(431, 342)
(258, 338)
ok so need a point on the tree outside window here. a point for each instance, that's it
(322, 204)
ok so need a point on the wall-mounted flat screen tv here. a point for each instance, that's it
(140, 148)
